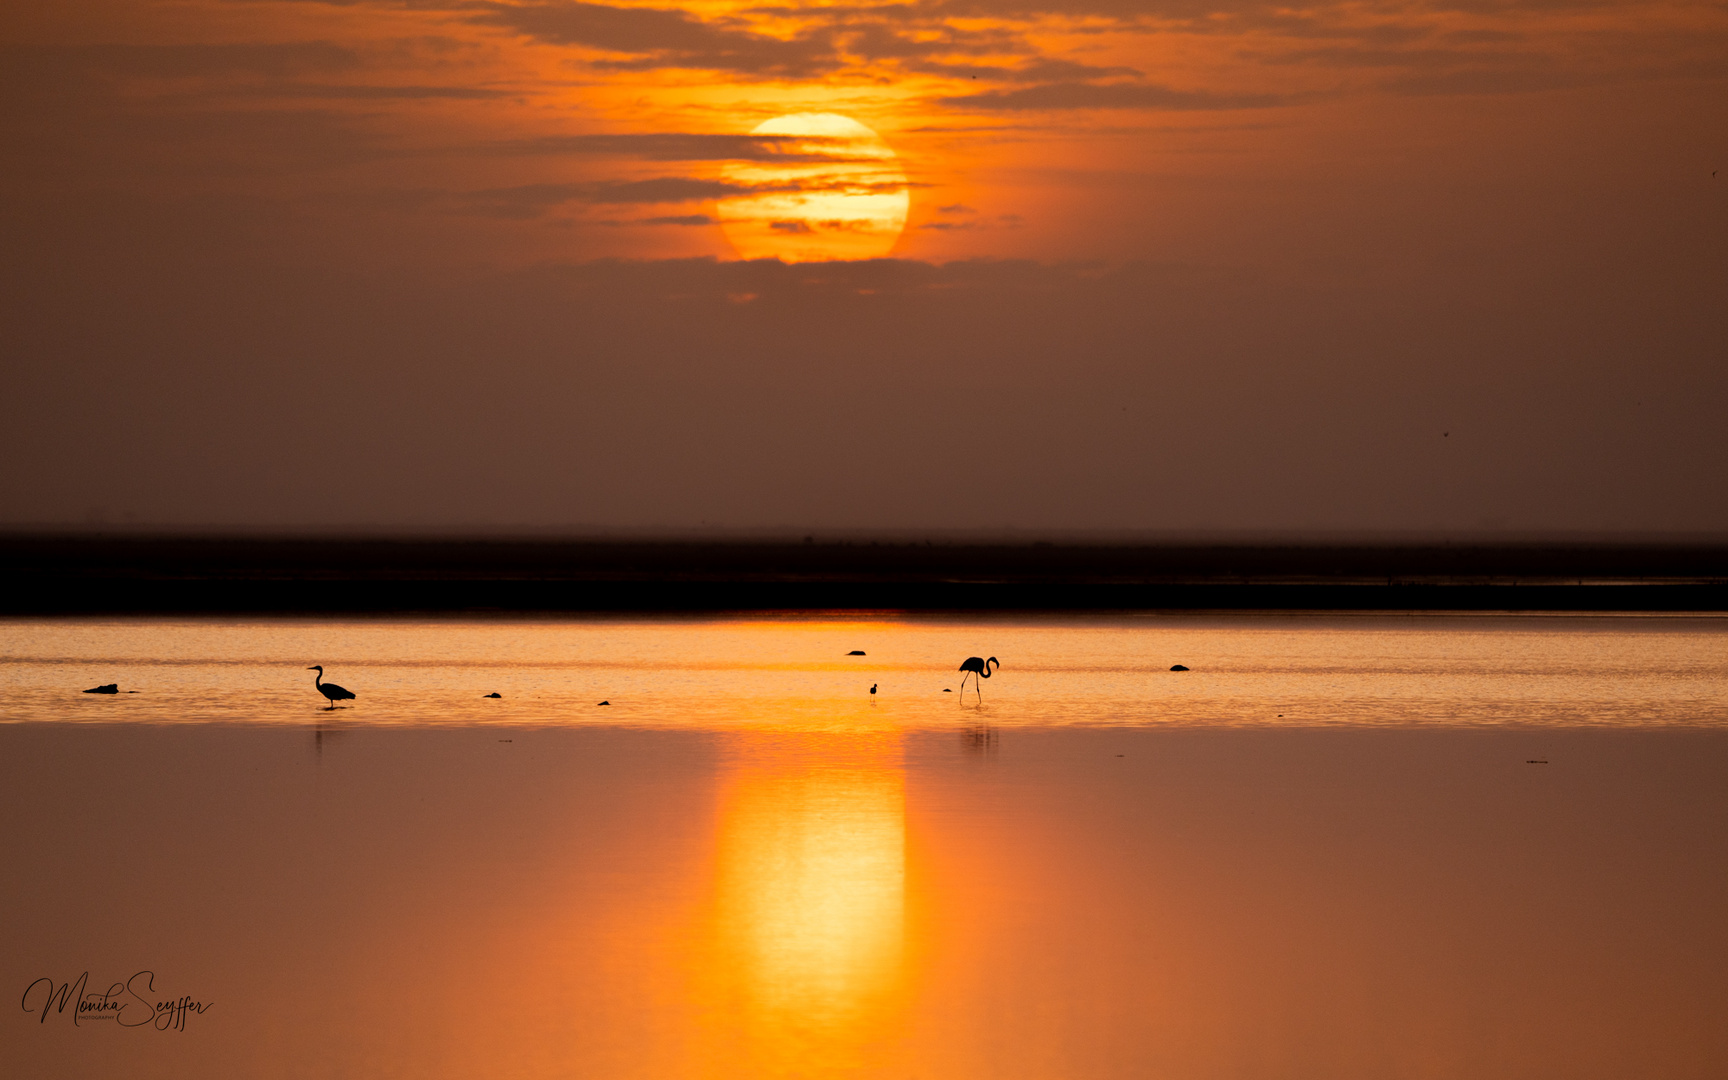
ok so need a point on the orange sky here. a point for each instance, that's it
(1457, 214)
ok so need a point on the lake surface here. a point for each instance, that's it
(1337, 847)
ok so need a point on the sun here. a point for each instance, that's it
(827, 188)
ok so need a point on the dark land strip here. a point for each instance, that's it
(134, 575)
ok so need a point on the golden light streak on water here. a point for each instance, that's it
(805, 967)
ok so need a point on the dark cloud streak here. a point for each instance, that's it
(658, 38)
(183, 61)
(692, 146)
(1076, 95)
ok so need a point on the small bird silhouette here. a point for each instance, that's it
(872, 688)
(976, 665)
(329, 689)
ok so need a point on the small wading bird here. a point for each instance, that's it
(329, 689)
(977, 665)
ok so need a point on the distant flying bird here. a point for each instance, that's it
(977, 665)
(329, 689)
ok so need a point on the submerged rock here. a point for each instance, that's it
(109, 688)
(494, 695)
(1178, 667)
(856, 652)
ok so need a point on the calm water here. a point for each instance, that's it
(721, 675)
(1338, 847)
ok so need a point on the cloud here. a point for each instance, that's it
(1485, 81)
(532, 200)
(1038, 71)
(185, 61)
(878, 37)
(691, 146)
(1425, 59)
(384, 93)
(1075, 95)
(659, 38)
(678, 219)
(1005, 221)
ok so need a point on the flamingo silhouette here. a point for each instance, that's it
(329, 689)
(977, 665)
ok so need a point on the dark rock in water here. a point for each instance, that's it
(110, 688)
(945, 690)
(856, 652)
(1178, 667)
(494, 695)
(603, 703)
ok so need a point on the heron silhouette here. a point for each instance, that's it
(977, 665)
(329, 689)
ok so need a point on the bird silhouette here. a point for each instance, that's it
(977, 665)
(329, 689)
(872, 688)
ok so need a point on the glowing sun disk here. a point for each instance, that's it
(839, 193)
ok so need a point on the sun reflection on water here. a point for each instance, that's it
(805, 970)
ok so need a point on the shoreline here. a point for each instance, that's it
(46, 574)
